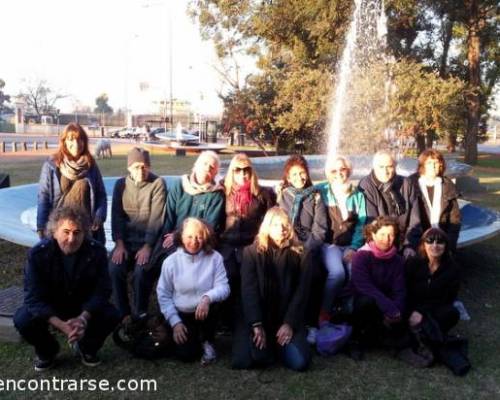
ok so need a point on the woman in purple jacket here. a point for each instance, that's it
(378, 285)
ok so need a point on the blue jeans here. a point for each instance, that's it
(332, 258)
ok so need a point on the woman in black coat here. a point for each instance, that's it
(437, 196)
(433, 281)
(274, 289)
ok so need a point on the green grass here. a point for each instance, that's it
(378, 377)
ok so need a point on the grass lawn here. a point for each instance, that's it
(378, 377)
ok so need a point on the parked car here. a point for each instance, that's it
(186, 137)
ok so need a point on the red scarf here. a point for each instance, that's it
(242, 197)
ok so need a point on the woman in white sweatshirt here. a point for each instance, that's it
(192, 279)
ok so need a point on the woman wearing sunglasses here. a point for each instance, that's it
(432, 281)
(437, 198)
(346, 212)
(246, 205)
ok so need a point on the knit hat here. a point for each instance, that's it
(138, 155)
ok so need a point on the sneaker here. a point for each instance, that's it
(42, 365)
(209, 355)
(89, 360)
(311, 335)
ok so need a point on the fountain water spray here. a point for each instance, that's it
(365, 47)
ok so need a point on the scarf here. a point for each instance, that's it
(299, 195)
(341, 193)
(74, 170)
(193, 188)
(383, 255)
(242, 197)
(434, 206)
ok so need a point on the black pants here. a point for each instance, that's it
(318, 275)
(36, 331)
(446, 316)
(230, 308)
(198, 332)
(369, 329)
(143, 281)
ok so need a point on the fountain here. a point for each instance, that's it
(364, 55)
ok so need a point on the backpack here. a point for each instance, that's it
(147, 337)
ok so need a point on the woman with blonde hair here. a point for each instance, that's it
(192, 279)
(274, 290)
(246, 204)
(72, 178)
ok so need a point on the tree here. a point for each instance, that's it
(4, 98)
(471, 28)
(40, 98)
(426, 106)
(102, 106)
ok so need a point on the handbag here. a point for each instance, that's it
(332, 337)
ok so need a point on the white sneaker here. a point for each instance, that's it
(209, 355)
(311, 335)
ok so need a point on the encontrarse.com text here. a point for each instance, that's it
(77, 385)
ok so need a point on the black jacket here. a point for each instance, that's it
(312, 223)
(241, 230)
(406, 211)
(50, 291)
(450, 219)
(274, 287)
(426, 291)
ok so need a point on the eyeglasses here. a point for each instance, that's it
(245, 170)
(434, 239)
(334, 171)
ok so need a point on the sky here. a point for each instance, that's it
(83, 48)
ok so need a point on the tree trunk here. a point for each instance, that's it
(451, 145)
(429, 139)
(420, 140)
(473, 92)
(447, 36)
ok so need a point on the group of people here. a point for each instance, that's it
(274, 266)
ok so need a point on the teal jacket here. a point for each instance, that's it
(208, 206)
(353, 227)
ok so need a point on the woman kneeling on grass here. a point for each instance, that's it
(433, 281)
(274, 288)
(378, 285)
(192, 279)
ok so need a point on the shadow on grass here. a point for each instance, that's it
(378, 377)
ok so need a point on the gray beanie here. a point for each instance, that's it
(138, 155)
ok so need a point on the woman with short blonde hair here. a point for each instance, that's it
(192, 279)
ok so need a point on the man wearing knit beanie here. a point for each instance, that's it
(137, 214)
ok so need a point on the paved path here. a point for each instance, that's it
(489, 148)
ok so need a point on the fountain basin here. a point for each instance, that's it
(18, 216)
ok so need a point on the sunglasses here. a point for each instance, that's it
(245, 170)
(434, 239)
(335, 171)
